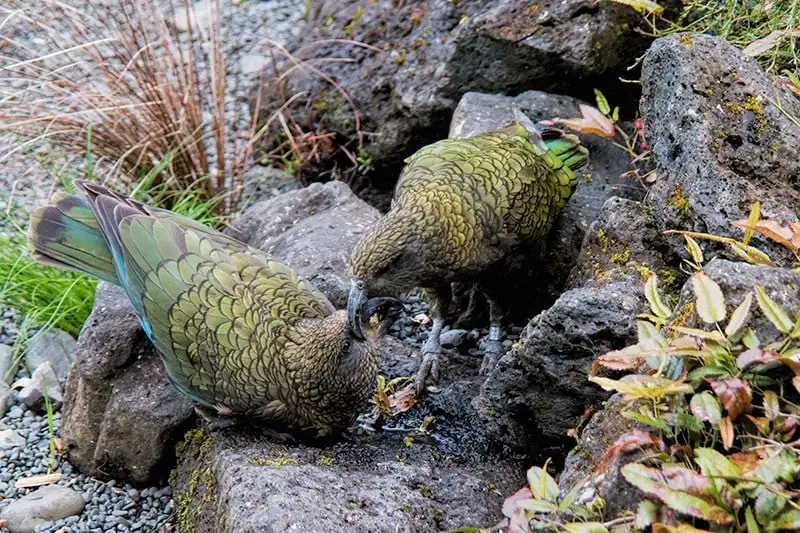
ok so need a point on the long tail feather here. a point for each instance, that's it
(567, 147)
(66, 234)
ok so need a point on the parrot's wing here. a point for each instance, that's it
(217, 310)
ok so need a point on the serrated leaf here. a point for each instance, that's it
(694, 250)
(739, 317)
(537, 506)
(638, 386)
(710, 303)
(585, 527)
(542, 485)
(602, 103)
(629, 358)
(755, 356)
(706, 372)
(648, 420)
(715, 336)
(735, 395)
(705, 407)
(657, 305)
(652, 482)
(714, 464)
(773, 311)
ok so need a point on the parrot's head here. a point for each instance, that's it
(382, 264)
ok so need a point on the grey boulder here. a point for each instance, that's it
(45, 504)
(43, 386)
(54, 346)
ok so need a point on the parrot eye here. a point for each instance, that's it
(360, 285)
(345, 345)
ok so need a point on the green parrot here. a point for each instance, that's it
(238, 333)
(466, 210)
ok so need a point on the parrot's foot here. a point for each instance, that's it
(213, 421)
(278, 436)
(493, 350)
(428, 367)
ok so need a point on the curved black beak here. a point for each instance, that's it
(385, 308)
(355, 303)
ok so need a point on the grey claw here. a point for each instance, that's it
(429, 367)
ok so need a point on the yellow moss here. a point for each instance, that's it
(668, 278)
(687, 39)
(752, 103)
(719, 134)
(682, 316)
(426, 492)
(602, 238)
(201, 478)
(733, 108)
(643, 270)
(679, 202)
(279, 460)
(348, 29)
(621, 258)
(324, 460)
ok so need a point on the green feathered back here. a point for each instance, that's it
(221, 314)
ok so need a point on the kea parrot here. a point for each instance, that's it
(463, 210)
(238, 333)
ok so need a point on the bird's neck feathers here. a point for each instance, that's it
(381, 248)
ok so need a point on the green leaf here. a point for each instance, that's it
(751, 254)
(705, 407)
(752, 526)
(646, 514)
(714, 464)
(651, 482)
(788, 521)
(768, 504)
(773, 311)
(542, 485)
(602, 103)
(648, 419)
(709, 299)
(776, 468)
(739, 317)
(772, 406)
(750, 339)
(638, 386)
(715, 336)
(796, 329)
(615, 115)
(752, 220)
(657, 305)
(537, 506)
(650, 339)
(643, 6)
(705, 372)
(694, 250)
(585, 527)
(688, 422)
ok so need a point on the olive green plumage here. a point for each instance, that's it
(237, 331)
(463, 207)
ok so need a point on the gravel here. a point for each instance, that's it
(26, 181)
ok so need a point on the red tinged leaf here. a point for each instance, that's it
(657, 484)
(771, 229)
(592, 122)
(746, 462)
(755, 356)
(735, 395)
(629, 358)
(517, 517)
(629, 442)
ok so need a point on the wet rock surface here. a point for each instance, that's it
(539, 390)
(713, 121)
(394, 479)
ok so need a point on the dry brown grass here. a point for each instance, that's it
(126, 81)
